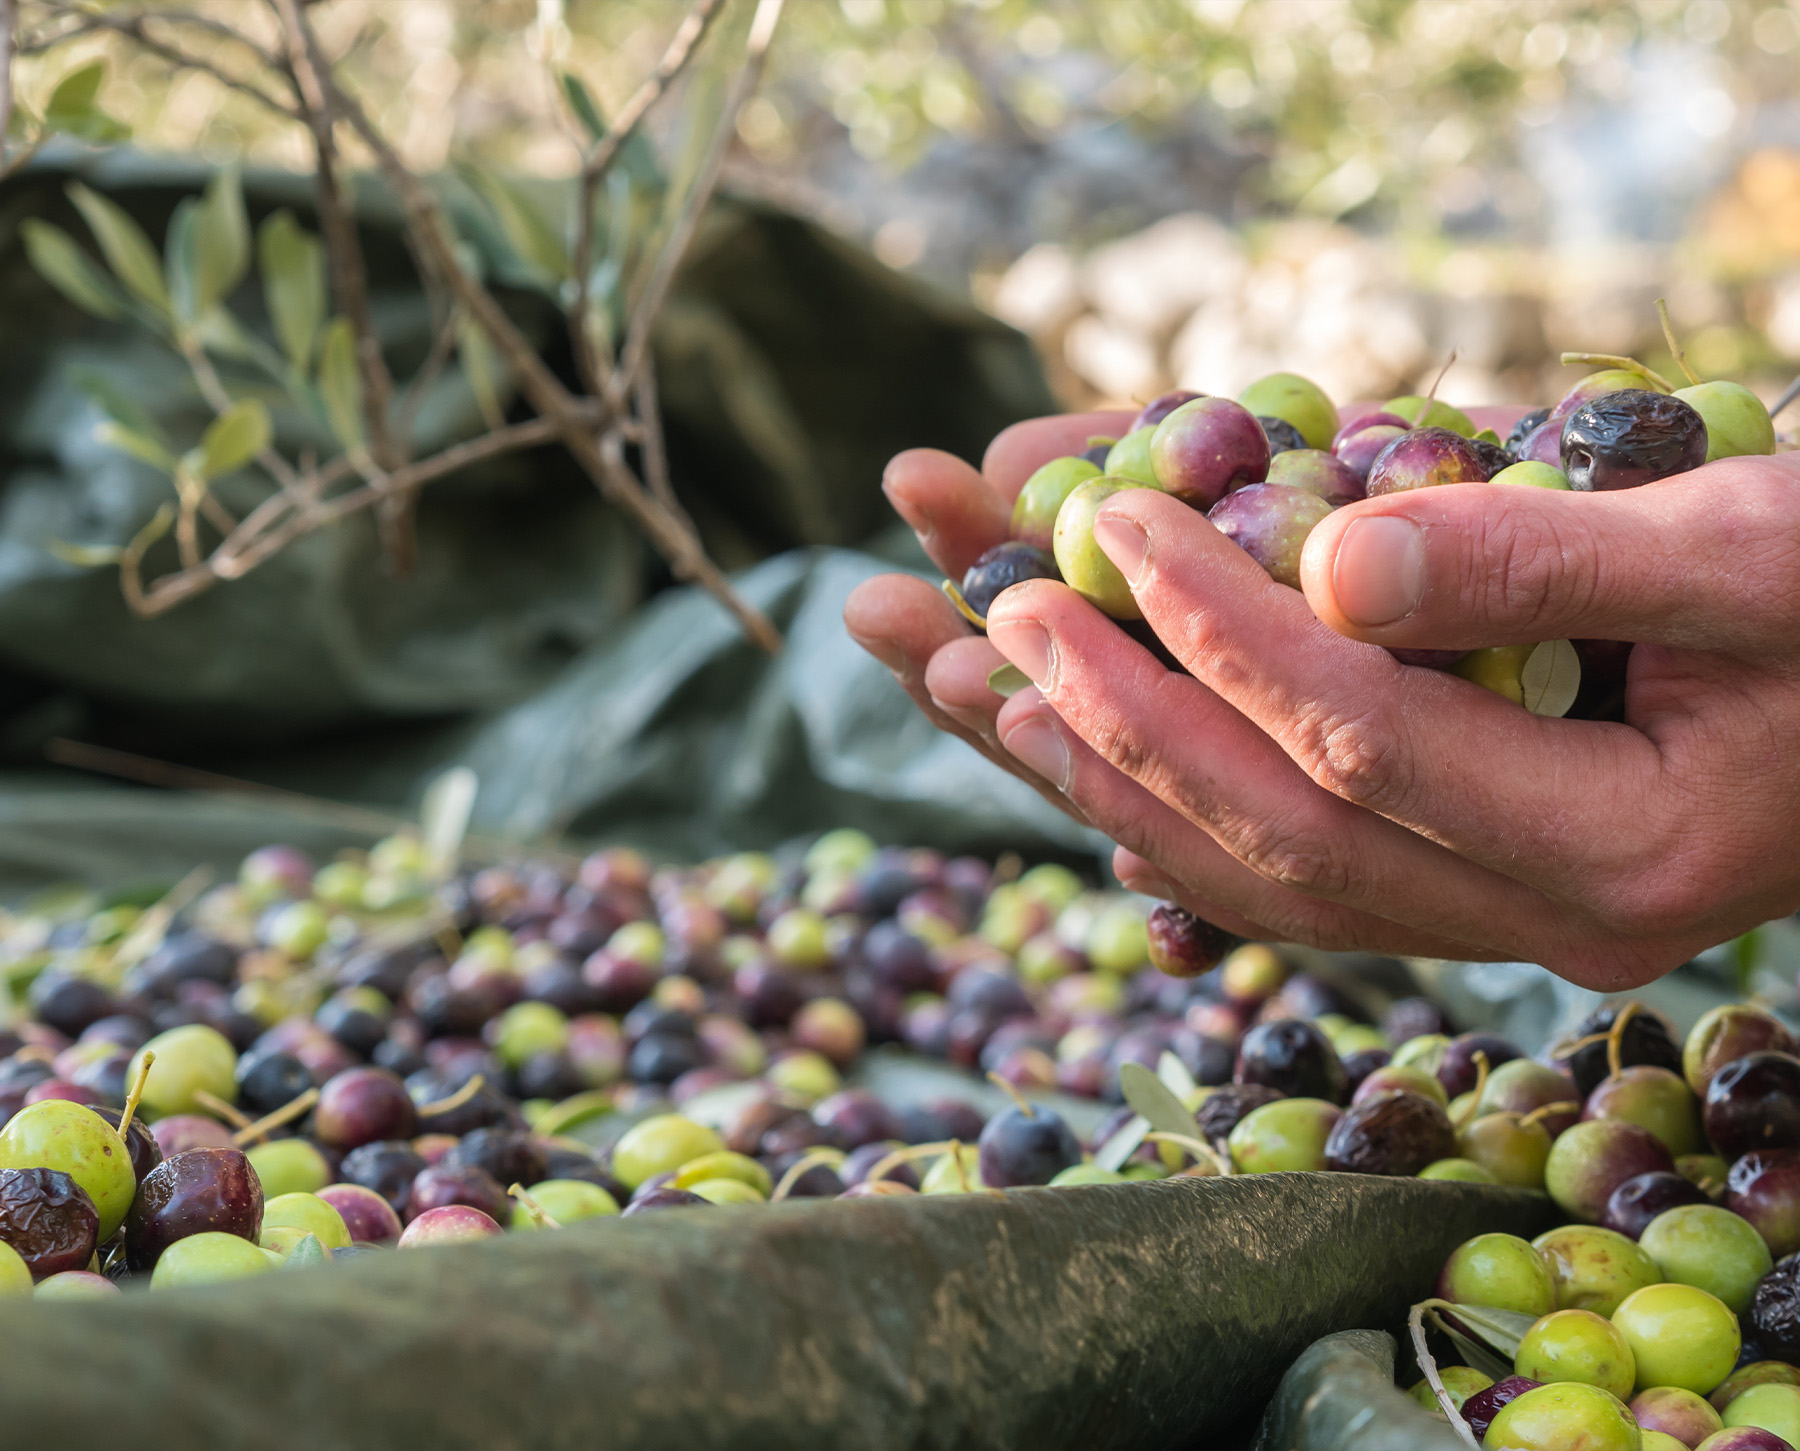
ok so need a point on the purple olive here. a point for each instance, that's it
(1425, 458)
(1319, 473)
(1270, 522)
(1206, 448)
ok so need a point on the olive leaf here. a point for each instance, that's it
(532, 238)
(581, 102)
(1007, 680)
(293, 279)
(140, 446)
(116, 404)
(1175, 1077)
(221, 240)
(72, 109)
(487, 376)
(61, 262)
(309, 1251)
(340, 385)
(1551, 678)
(1150, 1097)
(1428, 1366)
(122, 242)
(235, 437)
(1486, 1336)
(1114, 1153)
(181, 265)
(85, 556)
(444, 817)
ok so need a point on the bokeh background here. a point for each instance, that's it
(1191, 191)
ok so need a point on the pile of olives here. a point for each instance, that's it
(1666, 1312)
(1268, 467)
(319, 1060)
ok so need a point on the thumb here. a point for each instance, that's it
(1707, 560)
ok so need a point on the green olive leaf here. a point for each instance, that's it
(1007, 680)
(61, 262)
(116, 405)
(488, 378)
(236, 436)
(181, 260)
(122, 242)
(309, 1251)
(140, 446)
(293, 279)
(1551, 678)
(444, 817)
(340, 383)
(1150, 1097)
(221, 240)
(532, 238)
(581, 102)
(1174, 1076)
(72, 109)
(1485, 1335)
(1114, 1153)
(85, 556)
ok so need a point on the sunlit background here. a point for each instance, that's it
(1186, 191)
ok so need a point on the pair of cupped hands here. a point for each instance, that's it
(1294, 782)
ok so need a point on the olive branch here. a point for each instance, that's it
(321, 357)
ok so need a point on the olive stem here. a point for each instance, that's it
(1467, 1116)
(1202, 1151)
(1431, 392)
(539, 1215)
(1013, 1093)
(1615, 1051)
(1428, 1364)
(294, 1108)
(217, 1106)
(1662, 316)
(1615, 360)
(801, 1167)
(885, 1166)
(137, 1092)
(963, 607)
(476, 1083)
(1544, 1110)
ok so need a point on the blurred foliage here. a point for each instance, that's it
(1408, 104)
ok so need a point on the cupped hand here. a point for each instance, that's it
(1296, 782)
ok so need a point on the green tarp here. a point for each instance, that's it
(1142, 1315)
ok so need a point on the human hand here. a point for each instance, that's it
(1300, 784)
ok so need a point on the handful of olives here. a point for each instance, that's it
(1268, 467)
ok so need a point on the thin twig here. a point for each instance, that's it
(246, 548)
(343, 248)
(673, 538)
(655, 447)
(598, 162)
(132, 26)
(662, 276)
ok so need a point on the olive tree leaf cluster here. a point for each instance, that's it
(604, 249)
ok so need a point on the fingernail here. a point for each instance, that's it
(1148, 884)
(1124, 543)
(1027, 645)
(1040, 745)
(1379, 573)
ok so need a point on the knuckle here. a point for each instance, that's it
(1295, 855)
(1361, 760)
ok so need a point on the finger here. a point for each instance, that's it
(1020, 451)
(952, 509)
(1191, 749)
(1705, 560)
(1499, 417)
(903, 622)
(1235, 895)
(1514, 792)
